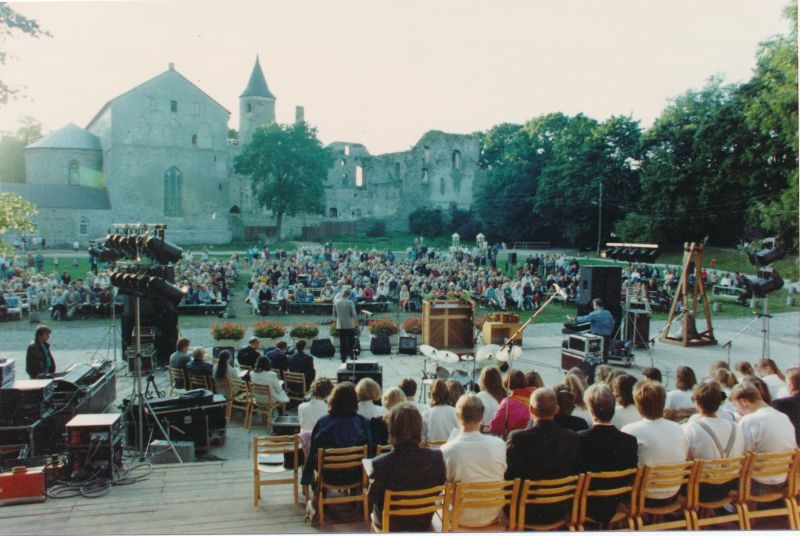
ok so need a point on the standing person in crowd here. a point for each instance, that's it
(278, 358)
(512, 413)
(474, 457)
(601, 323)
(198, 366)
(770, 374)
(179, 359)
(680, 401)
(544, 451)
(407, 467)
(492, 392)
(223, 371)
(302, 362)
(409, 388)
(604, 448)
(344, 311)
(661, 442)
(790, 405)
(625, 412)
(440, 420)
(249, 355)
(39, 360)
(264, 375)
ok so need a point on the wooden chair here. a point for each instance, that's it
(657, 479)
(796, 488)
(261, 401)
(294, 383)
(565, 491)
(344, 459)
(486, 495)
(200, 381)
(241, 400)
(721, 472)
(435, 444)
(766, 465)
(275, 446)
(614, 487)
(381, 449)
(414, 503)
(174, 375)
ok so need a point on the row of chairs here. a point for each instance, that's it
(692, 508)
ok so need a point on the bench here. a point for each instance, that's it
(202, 308)
(728, 293)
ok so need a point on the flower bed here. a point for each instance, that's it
(304, 330)
(269, 329)
(382, 327)
(227, 331)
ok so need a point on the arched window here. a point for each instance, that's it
(441, 185)
(456, 159)
(424, 175)
(74, 172)
(333, 213)
(173, 192)
(397, 168)
(83, 226)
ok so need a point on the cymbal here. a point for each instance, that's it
(445, 356)
(486, 354)
(467, 357)
(427, 350)
(505, 356)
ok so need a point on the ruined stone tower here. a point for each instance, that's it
(256, 105)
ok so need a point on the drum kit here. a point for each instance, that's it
(489, 354)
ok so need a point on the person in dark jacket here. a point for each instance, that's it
(407, 467)
(248, 356)
(198, 366)
(604, 448)
(790, 405)
(278, 359)
(302, 362)
(38, 359)
(566, 403)
(545, 451)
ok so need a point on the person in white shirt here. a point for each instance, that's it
(264, 375)
(492, 392)
(661, 442)
(409, 388)
(679, 404)
(310, 412)
(369, 392)
(712, 437)
(440, 420)
(771, 375)
(765, 429)
(474, 457)
(625, 411)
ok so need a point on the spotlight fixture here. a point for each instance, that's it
(161, 250)
(768, 281)
(766, 256)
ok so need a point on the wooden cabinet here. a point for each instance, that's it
(448, 325)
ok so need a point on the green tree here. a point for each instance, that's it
(287, 165)
(12, 24)
(15, 213)
(12, 144)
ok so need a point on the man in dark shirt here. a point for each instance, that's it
(248, 356)
(791, 404)
(544, 451)
(277, 358)
(604, 448)
(180, 359)
(198, 365)
(302, 362)
(38, 359)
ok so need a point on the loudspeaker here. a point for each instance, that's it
(637, 328)
(219, 349)
(322, 348)
(380, 345)
(157, 313)
(408, 345)
(600, 282)
(345, 375)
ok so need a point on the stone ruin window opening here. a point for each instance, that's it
(74, 169)
(173, 192)
(333, 213)
(424, 175)
(347, 150)
(441, 185)
(456, 159)
(194, 140)
(83, 226)
(173, 106)
(343, 162)
(249, 108)
(426, 154)
(359, 177)
(397, 168)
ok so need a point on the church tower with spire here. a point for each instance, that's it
(256, 105)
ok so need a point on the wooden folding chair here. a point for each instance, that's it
(435, 444)
(294, 383)
(330, 461)
(610, 485)
(200, 381)
(489, 496)
(657, 479)
(795, 482)
(381, 449)
(417, 502)
(241, 400)
(558, 491)
(176, 374)
(261, 401)
(274, 446)
(724, 473)
(762, 465)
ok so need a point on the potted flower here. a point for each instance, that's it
(413, 327)
(304, 330)
(227, 333)
(268, 332)
(385, 327)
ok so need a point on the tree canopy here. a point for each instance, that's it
(12, 144)
(287, 165)
(15, 213)
(12, 24)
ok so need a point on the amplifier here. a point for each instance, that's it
(570, 359)
(361, 365)
(24, 401)
(162, 452)
(347, 374)
(584, 344)
(94, 445)
(202, 423)
(22, 485)
(6, 372)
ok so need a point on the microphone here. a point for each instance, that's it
(560, 291)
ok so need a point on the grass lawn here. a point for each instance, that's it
(730, 260)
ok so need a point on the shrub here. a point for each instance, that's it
(227, 330)
(382, 327)
(426, 222)
(413, 325)
(304, 330)
(377, 229)
(334, 332)
(269, 329)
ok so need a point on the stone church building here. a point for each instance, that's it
(161, 153)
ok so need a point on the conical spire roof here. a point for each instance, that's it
(257, 86)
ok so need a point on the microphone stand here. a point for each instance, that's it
(729, 342)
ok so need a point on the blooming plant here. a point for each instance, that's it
(269, 329)
(382, 327)
(304, 330)
(413, 325)
(227, 330)
(333, 331)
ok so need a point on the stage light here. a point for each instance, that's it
(104, 254)
(166, 290)
(768, 281)
(766, 256)
(161, 250)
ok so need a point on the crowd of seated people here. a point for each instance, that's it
(207, 281)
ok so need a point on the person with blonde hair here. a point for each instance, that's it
(771, 375)
(369, 392)
(578, 387)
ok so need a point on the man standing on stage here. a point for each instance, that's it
(602, 324)
(344, 311)
(38, 359)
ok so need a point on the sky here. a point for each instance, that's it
(383, 73)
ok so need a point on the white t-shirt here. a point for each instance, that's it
(625, 416)
(702, 446)
(677, 399)
(310, 412)
(268, 377)
(768, 430)
(439, 422)
(490, 405)
(775, 384)
(475, 457)
(368, 409)
(661, 442)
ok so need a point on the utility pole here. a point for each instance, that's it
(599, 218)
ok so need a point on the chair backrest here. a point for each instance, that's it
(177, 374)
(488, 495)
(435, 444)
(199, 381)
(660, 479)
(341, 459)
(769, 466)
(275, 445)
(564, 490)
(262, 394)
(295, 385)
(621, 484)
(235, 387)
(385, 448)
(717, 472)
(416, 503)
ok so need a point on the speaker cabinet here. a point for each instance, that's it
(600, 282)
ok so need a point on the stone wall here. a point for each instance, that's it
(52, 166)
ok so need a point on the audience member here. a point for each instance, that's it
(369, 392)
(278, 359)
(790, 405)
(310, 412)
(742, 369)
(249, 355)
(492, 392)
(454, 391)
(680, 404)
(565, 399)
(577, 386)
(770, 374)
(409, 388)
(625, 411)
(198, 366)
(440, 420)
(264, 375)
(223, 371)
(302, 362)
(652, 373)
(512, 413)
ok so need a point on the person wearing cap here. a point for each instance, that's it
(248, 356)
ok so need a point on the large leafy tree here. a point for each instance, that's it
(287, 165)
(12, 144)
(13, 24)
(15, 213)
